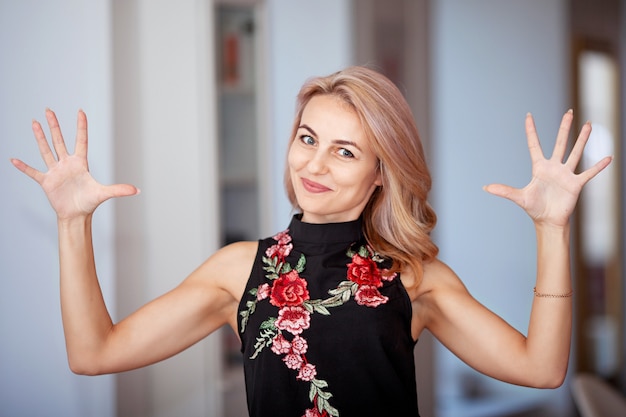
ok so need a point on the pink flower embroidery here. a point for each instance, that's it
(368, 295)
(312, 412)
(282, 248)
(307, 372)
(280, 345)
(263, 292)
(293, 361)
(289, 290)
(299, 345)
(293, 319)
(387, 276)
(281, 251)
(283, 237)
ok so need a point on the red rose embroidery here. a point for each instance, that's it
(289, 290)
(368, 295)
(293, 319)
(364, 271)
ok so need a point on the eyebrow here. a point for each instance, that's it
(335, 141)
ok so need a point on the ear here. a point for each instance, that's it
(379, 174)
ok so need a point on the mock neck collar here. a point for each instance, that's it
(350, 231)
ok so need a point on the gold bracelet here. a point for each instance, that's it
(541, 295)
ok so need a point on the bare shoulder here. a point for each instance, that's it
(437, 277)
(440, 285)
(229, 268)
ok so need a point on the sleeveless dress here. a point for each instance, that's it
(325, 328)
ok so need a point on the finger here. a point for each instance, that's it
(42, 144)
(81, 135)
(28, 170)
(594, 170)
(120, 190)
(57, 137)
(560, 147)
(504, 191)
(534, 147)
(579, 147)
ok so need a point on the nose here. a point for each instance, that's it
(318, 163)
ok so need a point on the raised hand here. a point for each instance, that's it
(551, 195)
(69, 186)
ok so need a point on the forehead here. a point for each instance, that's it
(330, 112)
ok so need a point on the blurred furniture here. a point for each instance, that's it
(594, 397)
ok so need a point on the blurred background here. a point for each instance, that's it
(192, 101)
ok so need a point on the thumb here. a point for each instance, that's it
(121, 190)
(504, 191)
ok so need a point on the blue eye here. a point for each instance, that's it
(307, 139)
(346, 153)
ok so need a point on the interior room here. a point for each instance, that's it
(193, 100)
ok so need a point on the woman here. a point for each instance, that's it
(329, 310)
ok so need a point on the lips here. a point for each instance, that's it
(314, 187)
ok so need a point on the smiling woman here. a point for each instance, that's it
(397, 220)
(332, 167)
(328, 311)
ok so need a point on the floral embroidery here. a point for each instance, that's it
(288, 292)
(293, 319)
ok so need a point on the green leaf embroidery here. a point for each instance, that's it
(245, 314)
(320, 398)
(264, 340)
(272, 266)
(301, 264)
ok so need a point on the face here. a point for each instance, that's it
(333, 170)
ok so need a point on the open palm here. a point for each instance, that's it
(551, 195)
(69, 186)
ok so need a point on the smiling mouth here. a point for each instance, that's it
(314, 187)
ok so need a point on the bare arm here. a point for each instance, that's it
(204, 301)
(481, 338)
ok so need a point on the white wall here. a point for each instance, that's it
(492, 62)
(57, 55)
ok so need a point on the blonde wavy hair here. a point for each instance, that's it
(397, 220)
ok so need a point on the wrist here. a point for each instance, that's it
(70, 223)
(551, 229)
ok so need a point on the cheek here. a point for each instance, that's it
(294, 158)
(363, 180)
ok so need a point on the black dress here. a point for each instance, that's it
(325, 329)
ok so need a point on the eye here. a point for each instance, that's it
(346, 153)
(307, 140)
